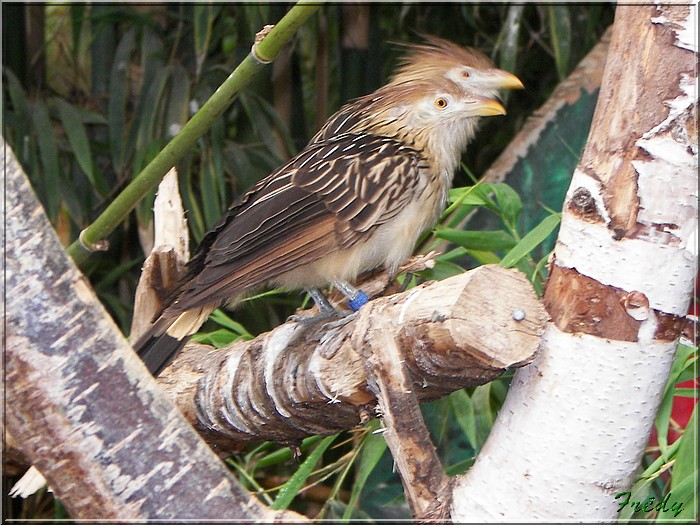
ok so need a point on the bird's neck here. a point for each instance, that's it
(444, 149)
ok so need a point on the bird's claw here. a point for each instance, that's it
(347, 317)
(312, 319)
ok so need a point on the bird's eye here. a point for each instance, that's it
(441, 103)
(465, 73)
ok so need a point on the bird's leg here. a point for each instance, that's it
(356, 298)
(325, 308)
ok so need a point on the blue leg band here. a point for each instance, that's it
(360, 299)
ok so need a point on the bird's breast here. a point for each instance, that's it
(389, 244)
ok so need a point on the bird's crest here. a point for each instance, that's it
(435, 54)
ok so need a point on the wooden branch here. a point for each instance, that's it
(81, 405)
(425, 484)
(304, 379)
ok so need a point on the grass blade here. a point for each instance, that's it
(292, 487)
(463, 409)
(116, 110)
(560, 32)
(48, 153)
(486, 241)
(373, 447)
(79, 143)
(528, 243)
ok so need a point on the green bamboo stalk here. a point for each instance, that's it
(265, 51)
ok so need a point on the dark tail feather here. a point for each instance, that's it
(157, 349)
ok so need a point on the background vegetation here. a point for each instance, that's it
(92, 92)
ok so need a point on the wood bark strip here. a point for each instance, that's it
(425, 484)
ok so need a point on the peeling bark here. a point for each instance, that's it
(572, 431)
(306, 379)
(82, 407)
(165, 263)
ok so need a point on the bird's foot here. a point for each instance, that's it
(347, 316)
(323, 316)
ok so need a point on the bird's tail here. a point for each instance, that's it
(164, 339)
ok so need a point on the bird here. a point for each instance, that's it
(351, 201)
(437, 57)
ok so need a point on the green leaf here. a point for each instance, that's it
(116, 273)
(463, 409)
(261, 124)
(219, 317)
(485, 241)
(77, 15)
(218, 338)
(204, 15)
(209, 186)
(116, 109)
(80, 144)
(295, 483)
(148, 115)
(471, 195)
(560, 33)
(686, 392)
(686, 460)
(18, 119)
(458, 216)
(178, 100)
(48, 152)
(528, 243)
(442, 270)
(373, 447)
(508, 201)
(483, 413)
(663, 415)
(283, 454)
(484, 257)
(685, 493)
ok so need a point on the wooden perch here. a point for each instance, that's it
(304, 379)
(319, 378)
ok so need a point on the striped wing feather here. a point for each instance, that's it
(327, 198)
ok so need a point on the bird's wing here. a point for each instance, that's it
(329, 197)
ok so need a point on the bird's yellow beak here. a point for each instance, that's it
(487, 107)
(505, 80)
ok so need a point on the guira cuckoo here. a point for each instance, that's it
(356, 197)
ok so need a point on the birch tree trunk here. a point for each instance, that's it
(572, 431)
(81, 405)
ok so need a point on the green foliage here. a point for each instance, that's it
(506, 246)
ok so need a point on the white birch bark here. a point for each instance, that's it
(573, 428)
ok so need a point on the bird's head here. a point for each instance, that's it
(466, 67)
(436, 117)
